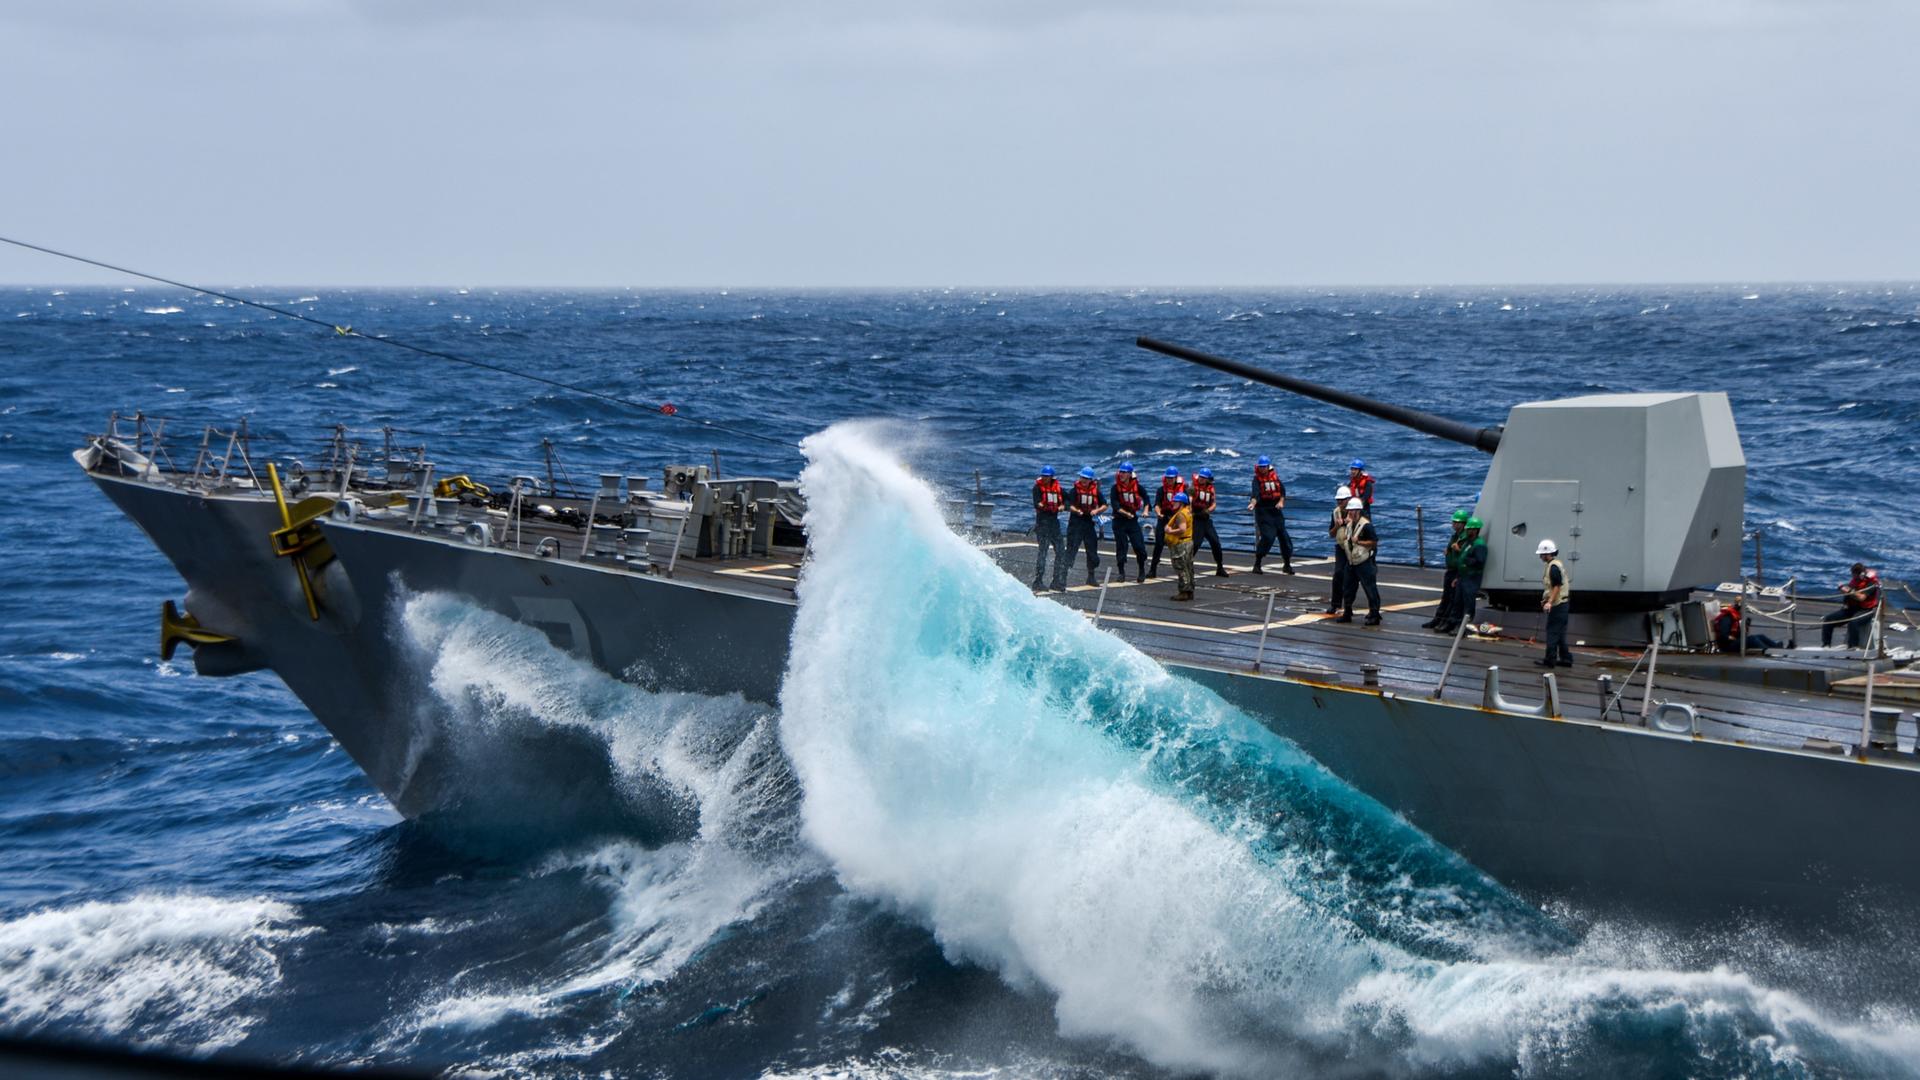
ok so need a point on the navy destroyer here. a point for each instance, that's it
(1652, 774)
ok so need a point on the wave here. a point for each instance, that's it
(704, 836)
(1055, 807)
(184, 970)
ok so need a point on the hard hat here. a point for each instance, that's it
(1475, 523)
(1172, 471)
(1126, 466)
(1357, 464)
(1264, 462)
(1343, 492)
(1205, 474)
(1547, 547)
(1356, 504)
(1461, 515)
(1046, 470)
(1180, 497)
(1087, 471)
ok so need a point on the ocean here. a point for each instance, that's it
(977, 838)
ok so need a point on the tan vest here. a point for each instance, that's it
(1349, 535)
(1546, 580)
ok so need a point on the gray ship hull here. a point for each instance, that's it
(1601, 815)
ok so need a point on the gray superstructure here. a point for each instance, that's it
(1731, 784)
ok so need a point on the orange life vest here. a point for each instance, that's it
(1267, 486)
(1127, 495)
(1086, 497)
(1202, 496)
(1165, 498)
(1050, 499)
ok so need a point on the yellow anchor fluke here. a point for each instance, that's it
(299, 538)
(177, 626)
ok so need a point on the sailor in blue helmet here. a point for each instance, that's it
(1163, 506)
(1204, 501)
(1128, 502)
(1269, 506)
(1360, 482)
(1084, 504)
(1049, 501)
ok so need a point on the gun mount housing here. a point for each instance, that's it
(1645, 494)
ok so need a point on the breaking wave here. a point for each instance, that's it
(1056, 807)
(183, 970)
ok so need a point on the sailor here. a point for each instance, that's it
(1048, 501)
(1334, 525)
(1859, 598)
(1360, 482)
(1473, 567)
(1727, 626)
(1128, 503)
(1269, 504)
(1170, 485)
(1083, 505)
(1556, 599)
(1361, 544)
(1204, 500)
(1178, 529)
(1449, 583)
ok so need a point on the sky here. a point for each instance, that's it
(911, 143)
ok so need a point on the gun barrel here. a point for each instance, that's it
(1480, 438)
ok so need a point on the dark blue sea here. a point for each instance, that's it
(914, 868)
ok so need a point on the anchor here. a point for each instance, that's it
(177, 626)
(299, 538)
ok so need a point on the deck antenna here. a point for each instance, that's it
(664, 408)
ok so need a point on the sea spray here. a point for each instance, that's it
(1036, 794)
(708, 839)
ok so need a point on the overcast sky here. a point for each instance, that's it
(938, 142)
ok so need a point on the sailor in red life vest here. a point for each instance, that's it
(1269, 506)
(1128, 503)
(1048, 501)
(1360, 482)
(1859, 598)
(1163, 508)
(1204, 500)
(1083, 506)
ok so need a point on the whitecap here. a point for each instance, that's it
(163, 310)
(326, 385)
(179, 969)
(348, 370)
(176, 389)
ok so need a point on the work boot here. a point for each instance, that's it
(1122, 575)
(1219, 570)
(1373, 619)
(1345, 617)
(1183, 596)
(1091, 580)
(1059, 585)
(1287, 568)
(1545, 663)
(1153, 569)
(1430, 623)
(1256, 568)
(1142, 566)
(1444, 627)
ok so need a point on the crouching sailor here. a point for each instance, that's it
(1048, 501)
(1083, 505)
(1859, 597)
(1179, 533)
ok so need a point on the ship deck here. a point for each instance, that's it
(1776, 700)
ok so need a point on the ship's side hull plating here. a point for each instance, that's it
(1601, 815)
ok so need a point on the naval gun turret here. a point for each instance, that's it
(1644, 493)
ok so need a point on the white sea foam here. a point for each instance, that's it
(348, 370)
(492, 681)
(971, 794)
(163, 310)
(187, 970)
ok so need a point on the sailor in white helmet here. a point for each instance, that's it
(1339, 521)
(1556, 595)
(1361, 542)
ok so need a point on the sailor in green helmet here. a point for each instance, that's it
(1472, 567)
(1452, 579)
